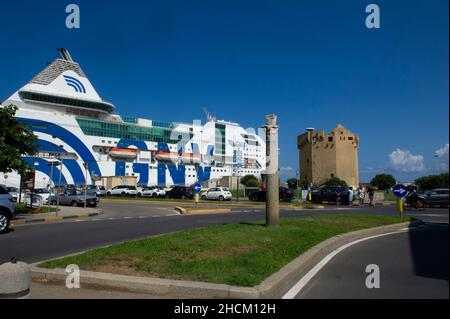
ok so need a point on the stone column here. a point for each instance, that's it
(272, 195)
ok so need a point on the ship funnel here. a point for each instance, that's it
(65, 55)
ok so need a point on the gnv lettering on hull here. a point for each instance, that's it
(177, 173)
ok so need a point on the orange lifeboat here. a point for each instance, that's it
(123, 152)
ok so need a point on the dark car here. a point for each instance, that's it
(330, 194)
(180, 192)
(286, 195)
(436, 197)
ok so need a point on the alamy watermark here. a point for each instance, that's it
(373, 19)
(73, 19)
(373, 279)
(73, 279)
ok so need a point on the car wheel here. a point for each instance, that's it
(108, 194)
(53, 202)
(4, 222)
(74, 204)
(139, 195)
(123, 194)
(252, 198)
(154, 195)
(221, 198)
(203, 197)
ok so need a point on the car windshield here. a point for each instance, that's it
(225, 189)
(11, 189)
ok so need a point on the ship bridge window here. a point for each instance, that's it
(38, 97)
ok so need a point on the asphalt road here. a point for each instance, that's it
(412, 264)
(37, 242)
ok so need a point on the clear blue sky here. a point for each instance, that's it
(314, 63)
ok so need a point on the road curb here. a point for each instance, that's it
(55, 218)
(191, 289)
(193, 211)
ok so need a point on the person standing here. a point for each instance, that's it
(350, 196)
(362, 195)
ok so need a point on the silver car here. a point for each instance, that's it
(7, 210)
(74, 198)
(96, 190)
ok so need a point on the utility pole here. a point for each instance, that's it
(273, 187)
(59, 184)
(86, 167)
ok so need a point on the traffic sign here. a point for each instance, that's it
(197, 188)
(400, 190)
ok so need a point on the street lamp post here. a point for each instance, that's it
(36, 164)
(59, 184)
(86, 168)
(273, 197)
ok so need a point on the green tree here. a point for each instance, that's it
(335, 181)
(250, 181)
(304, 183)
(292, 183)
(383, 181)
(16, 140)
(429, 182)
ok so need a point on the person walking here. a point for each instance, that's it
(362, 195)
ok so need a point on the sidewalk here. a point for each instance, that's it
(65, 212)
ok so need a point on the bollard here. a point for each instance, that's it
(15, 280)
(400, 206)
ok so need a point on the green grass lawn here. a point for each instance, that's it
(23, 209)
(235, 254)
(206, 203)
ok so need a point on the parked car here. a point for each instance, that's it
(123, 190)
(74, 198)
(286, 195)
(217, 193)
(14, 191)
(152, 191)
(43, 193)
(436, 197)
(96, 190)
(180, 192)
(330, 194)
(61, 189)
(7, 210)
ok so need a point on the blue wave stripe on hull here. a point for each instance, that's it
(68, 138)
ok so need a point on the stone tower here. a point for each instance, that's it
(323, 156)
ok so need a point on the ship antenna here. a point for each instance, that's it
(209, 117)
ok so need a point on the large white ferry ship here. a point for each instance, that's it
(69, 117)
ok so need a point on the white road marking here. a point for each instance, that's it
(127, 217)
(295, 290)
